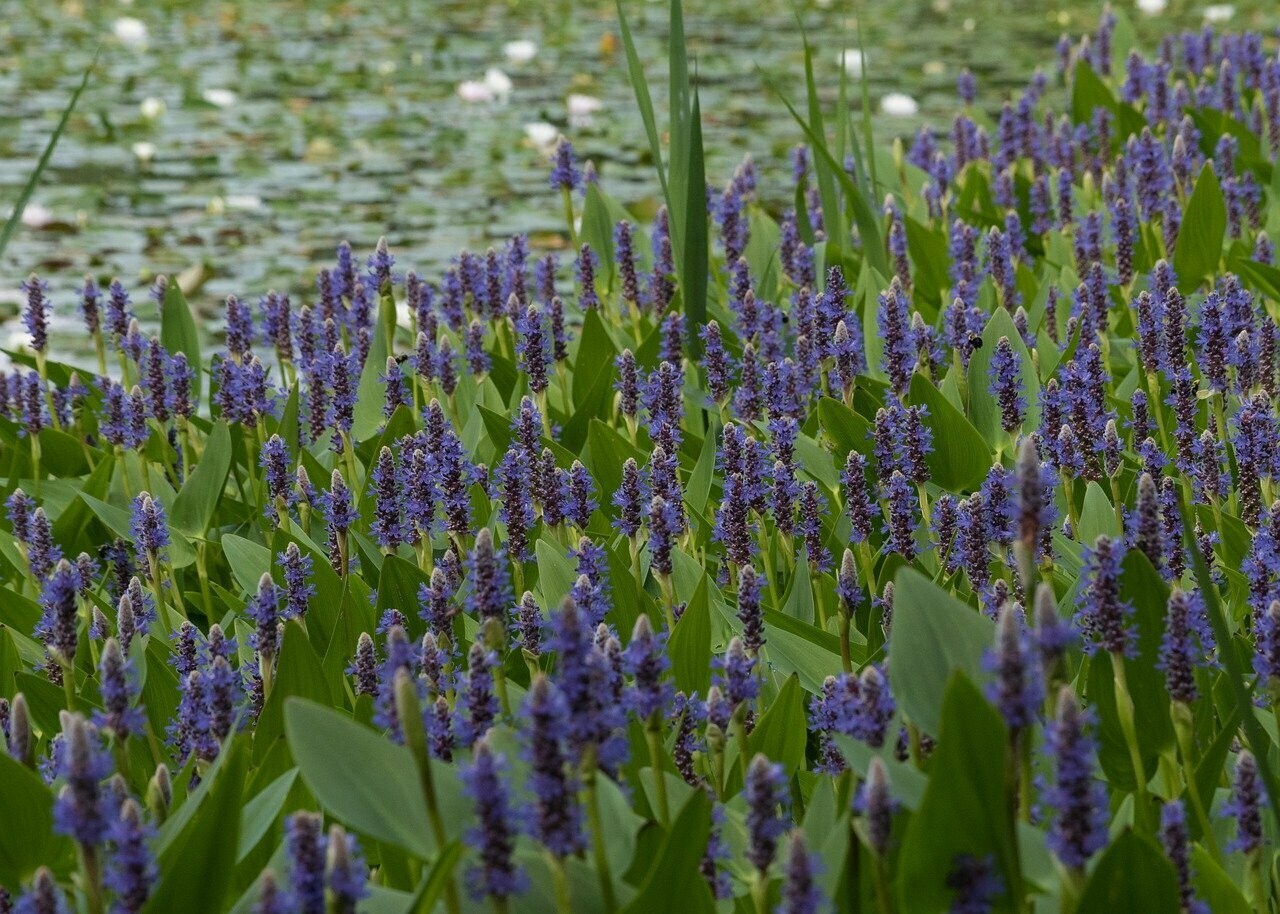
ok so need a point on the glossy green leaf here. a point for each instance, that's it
(1132, 875)
(389, 807)
(934, 634)
(197, 500)
(28, 841)
(178, 332)
(197, 861)
(965, 809)
(1204, 224)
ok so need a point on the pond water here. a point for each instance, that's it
(240, 141)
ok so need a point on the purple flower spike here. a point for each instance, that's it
(877, 806)
(119, 693)
(975, 883)
(82, 810)
(58, 621)
(150, 529)
(1245, 805)
(298, 589)
(556, 816)
(565, 174)
(1006, 386)
(1018, 687)
(767, 805)
(490, 595)
(646, 660)
(1177, 847)
(497, 874)
(347, 873)
(1103, 617)
(264, 609)
(800, 891)
(305, 845)
(1079, 826)
(35, 316)
(130, 869)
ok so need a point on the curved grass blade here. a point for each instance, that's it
(863, 213)
(15, 218)
(640, 86)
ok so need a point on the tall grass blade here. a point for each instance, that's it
(867, 133)
(863, 213)
(640, 86)
(15, 218)
(832, 215)
(693, 266)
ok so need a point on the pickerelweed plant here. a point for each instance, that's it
(916, 548)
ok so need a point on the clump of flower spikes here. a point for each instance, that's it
(514, 588)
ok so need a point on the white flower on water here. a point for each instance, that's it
(130, 32)
(582, 108)
(473, 91)
(542, 135)
(499, 83)
(899, 104)
(1152, 7)
(853, 62)
(17, 339)
(144, 151)
(37, 216)
(222, 98)
(519, 52)
(152, 107)
(1219, 12)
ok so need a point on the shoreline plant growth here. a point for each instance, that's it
(913, 549)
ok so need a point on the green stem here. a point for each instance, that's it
(883, 902)
(560, 881)
(1124, 710)
(596, 825)
(91, 870)
(1181, 714)
(653, 734)
(1015, 792)
(760, 891)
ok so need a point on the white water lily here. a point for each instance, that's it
(144, 151)
(152, 107)
(37, 216)
(582, 108)
(520, 52)
(17, 339)
(130, 32)
(498, 82)
(1219, 12)
(222, 98)
(474, 92)
(853, 61)
(899, 104)
(542, 135)
(1152, 7)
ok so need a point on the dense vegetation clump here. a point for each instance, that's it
(916, 550)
